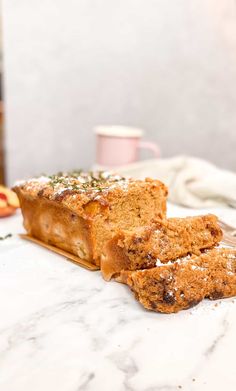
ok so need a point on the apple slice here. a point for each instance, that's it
(9, 196)
(7, 211)
(8, 202)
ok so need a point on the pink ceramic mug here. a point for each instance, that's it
(119, 145)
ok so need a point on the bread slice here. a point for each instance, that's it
(80, 211)
(183, 283)
(163, 241)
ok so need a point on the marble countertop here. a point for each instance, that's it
(64, 328)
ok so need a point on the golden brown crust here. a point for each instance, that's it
(57, 225)
(164, 240)
(87, 209)
(184, 283)
(76, 190)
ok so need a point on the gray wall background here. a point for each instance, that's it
(168, 66)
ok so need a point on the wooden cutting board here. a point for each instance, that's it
(71, 257)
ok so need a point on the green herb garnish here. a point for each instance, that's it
(79, 180)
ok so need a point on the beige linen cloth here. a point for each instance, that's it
(192, 182)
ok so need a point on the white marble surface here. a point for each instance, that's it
(64, 328)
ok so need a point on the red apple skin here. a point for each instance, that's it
(3, 197)
(8, 201)
(11, 197)
(7, 211)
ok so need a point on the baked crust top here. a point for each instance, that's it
(77, 188)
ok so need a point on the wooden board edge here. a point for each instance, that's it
(66, 254)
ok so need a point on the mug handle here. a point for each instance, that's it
(151, 146)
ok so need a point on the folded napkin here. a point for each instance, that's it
(192, 182)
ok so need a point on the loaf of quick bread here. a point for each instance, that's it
(80, 211)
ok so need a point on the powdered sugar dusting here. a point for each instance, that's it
(40, 180)
(195, 267)
(93, 182)
(178, 260)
